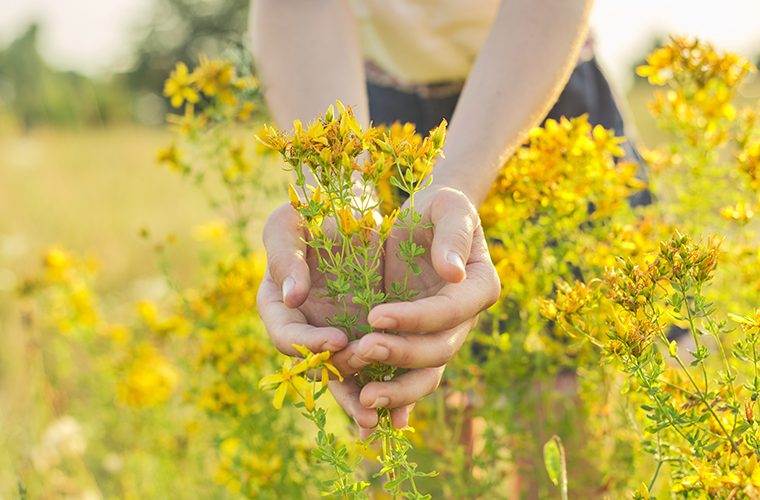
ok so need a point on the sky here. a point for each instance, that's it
(95, 35)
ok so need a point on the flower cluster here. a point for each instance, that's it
(702, 84)
(338, 166)
(150, 379)
(568, 151)
(702, 426)
(215, 90)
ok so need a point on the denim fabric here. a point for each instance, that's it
(587, 91)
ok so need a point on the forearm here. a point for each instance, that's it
(308, 55)
(519, 73)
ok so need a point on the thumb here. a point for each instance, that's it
(286, 255)
(454, 220)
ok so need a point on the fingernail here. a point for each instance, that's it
(287, 287)
(379, 353)
(385, 323)
(381, 402)
(454, 259)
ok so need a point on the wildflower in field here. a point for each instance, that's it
(238, 282)
(702, 84)
(169, 156)
(180, 86)
(172, 324)
(215, 77)
(59, 265)
(149, 379)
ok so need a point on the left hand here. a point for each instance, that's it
(457, 282)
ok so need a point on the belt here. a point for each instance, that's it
(439, 90)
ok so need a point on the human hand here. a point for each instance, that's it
(292, 298)
(457, 281)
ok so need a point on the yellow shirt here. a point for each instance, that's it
(424, 41)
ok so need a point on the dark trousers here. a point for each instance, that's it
(587, 91)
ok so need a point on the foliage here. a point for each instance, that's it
(37, 94)
(581, 352)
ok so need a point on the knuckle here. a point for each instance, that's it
(494, 290)
(404, 355)
(279, 264)
(460, 238)
(454, 309)
(434, 382)
(448, 351)
(279, 343)
(445, 352)
(413, 319)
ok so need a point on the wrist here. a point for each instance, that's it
(443, 180)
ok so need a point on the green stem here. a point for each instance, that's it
(707, 405)
(693, 330)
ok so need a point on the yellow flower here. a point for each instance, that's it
(215, 77)
(272, 138)
(149, 381)
(188, 122)
(295, 201)
(179, 86)
(59, 264)
(348, 223)
(388, 222)
(319, 360)
(170, 156)
(289, 378)
(172, 324)
(245, 111)
(741, 212)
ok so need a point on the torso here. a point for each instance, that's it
(424, 41)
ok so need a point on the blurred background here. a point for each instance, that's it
(82, 113)
(82, 117)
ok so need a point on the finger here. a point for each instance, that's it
(403, 390)
(365, 432)
(286, 255)
(454, 220)
(400, 416)
(346, 394)
(288, 326)
(403, 350)
(454, 304)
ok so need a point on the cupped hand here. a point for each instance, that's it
(457, 281)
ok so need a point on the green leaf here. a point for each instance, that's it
(395, 182)
(554, 461)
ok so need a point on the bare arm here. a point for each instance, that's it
(519, 73)
(308, 55)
